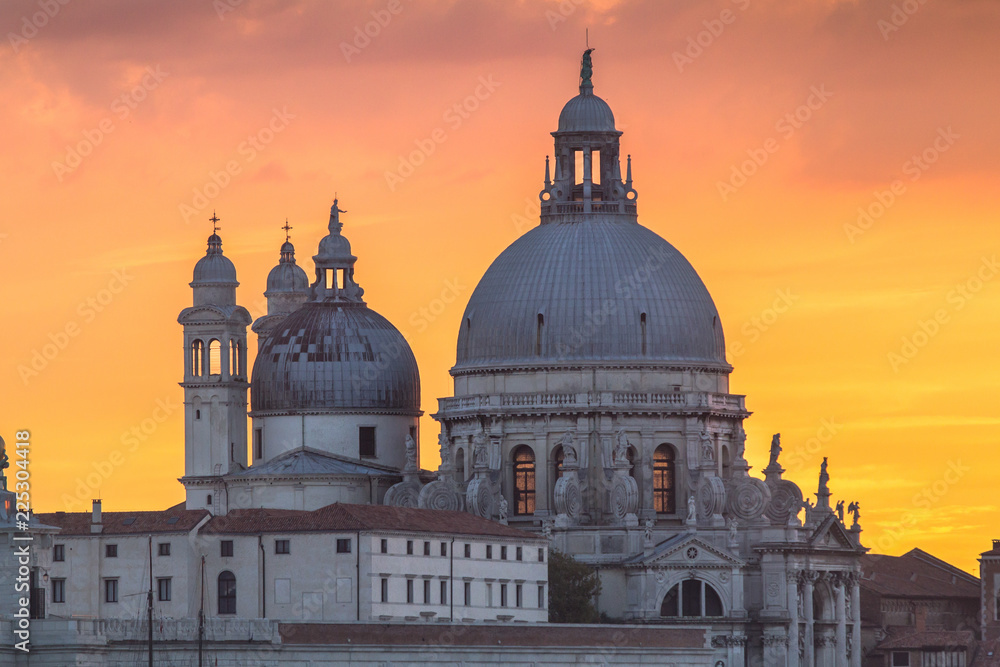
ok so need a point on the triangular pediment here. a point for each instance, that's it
(830, 534)
(686, 550)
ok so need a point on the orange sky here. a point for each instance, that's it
(161, 96)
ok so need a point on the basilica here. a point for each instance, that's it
(591, 414)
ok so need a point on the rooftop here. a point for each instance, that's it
(916, 574)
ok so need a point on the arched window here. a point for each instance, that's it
(227, 593)
(664, 489)
(524, 480)
(691, 598)
(214, 357)
(197, 358)
(460, 464)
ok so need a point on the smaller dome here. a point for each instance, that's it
(335, 247)
(587, 113)
(214, 268)
(287, 276)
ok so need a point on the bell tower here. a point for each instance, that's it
(215, 379)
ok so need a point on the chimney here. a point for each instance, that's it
(996, 545)
(95, 520)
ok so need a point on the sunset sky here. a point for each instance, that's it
(758, 130)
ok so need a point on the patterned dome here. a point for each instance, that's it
(335, 357)
(586, 113)
(595, 290)
(214, 268)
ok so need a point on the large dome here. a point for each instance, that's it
(335, 357)
(596, 290)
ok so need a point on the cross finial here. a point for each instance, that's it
(215, 222)
(287, 229)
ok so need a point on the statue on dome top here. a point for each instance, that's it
(586, 70)
(775, 449)
(335, 224)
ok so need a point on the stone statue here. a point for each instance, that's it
(335, 224)
(648, 531)
(4, 464)
(569, 451)
(620, 454)
(502, 511)
(445, 442)
(840, 510)
(855, 509)
(480, 454)
(692, 514)
(824, 479)
(547, 528)
(586, 68)
(707, 447)
(734, 534)
(740, 440)
(775, 450)
(411, 453)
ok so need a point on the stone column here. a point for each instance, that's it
(841, 636)
(808, 579)
(855, 620)
(793, 614)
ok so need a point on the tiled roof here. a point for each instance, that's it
(928, 639)
(344, 517)
(916, 574)
(175, 519)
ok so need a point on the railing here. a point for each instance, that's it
(608, 399)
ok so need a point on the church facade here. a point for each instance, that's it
(591, 413)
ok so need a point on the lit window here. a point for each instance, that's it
(664, 490)
(524, 480)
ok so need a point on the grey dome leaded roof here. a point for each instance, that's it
(586, 113)
(335, 357)
(591, 281)
(214, 268)
(287, 276)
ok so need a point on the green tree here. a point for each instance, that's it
(573, 586)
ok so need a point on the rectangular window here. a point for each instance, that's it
(444, 592)
(282, 546)
(503, 552)
(489, 595)
(503, 595)
(427, 591)
(258, 443)
(468, 594)
(58, 590)
(468, 551)
(409, 591)
(384, 546)
(541, 554)
(444, 548)
(59, 552)
(344, 545)
(489, 551)
(111, 590)
(163, 589)
(900, 659)
(226, 548)
(163, 549)
(385, 589)
(517, 595)
(111, 551)
(577, 167)
(519, 554)
(366, 441)
(541, 596)
(409, 547)
(427, 548)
